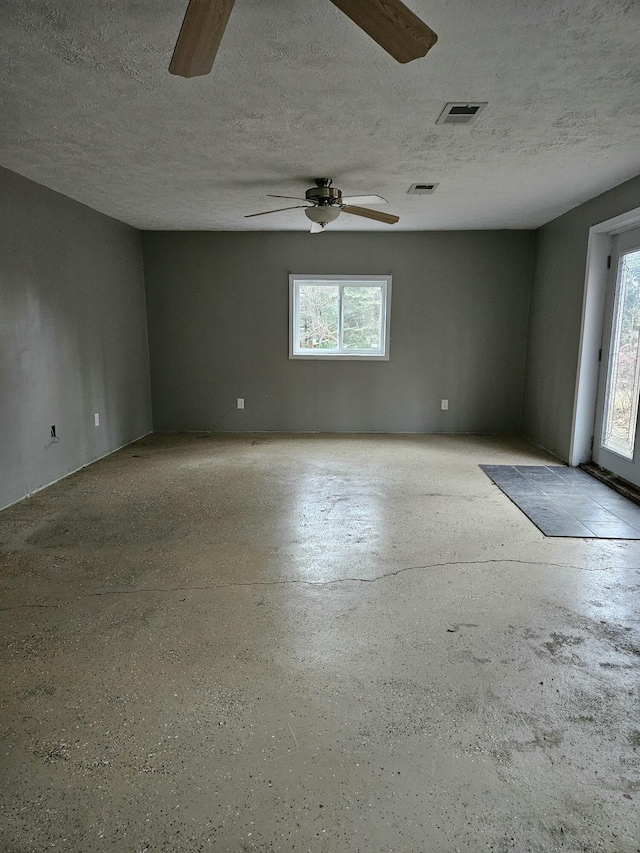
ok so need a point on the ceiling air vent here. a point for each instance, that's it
(460, 113)
(421, 189)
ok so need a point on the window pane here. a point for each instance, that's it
(318, 310)
(621, 408)
(362, 318)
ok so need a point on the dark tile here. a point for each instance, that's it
(559, 523)
(551, 511)
(614, 501)
(572, 475)
(545, 504)
(517, 493)
(576, 500)
(590, 512)
(536, 505)
(491, 469)
(585, 483)
(515, 483)
(541, 475)
(559, 526)
(508, 477)
(629, 515)
(594, 489)
(613, 530)
(567, 529)
(511, 481)
(496, 471)
(559, 488)
(571, 505)
(625, 506)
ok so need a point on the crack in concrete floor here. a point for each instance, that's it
(288, 581)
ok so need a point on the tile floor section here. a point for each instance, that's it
(565, 501)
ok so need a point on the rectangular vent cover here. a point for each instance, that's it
(461, 113)
(421, 189)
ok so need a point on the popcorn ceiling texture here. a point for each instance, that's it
(297, 91)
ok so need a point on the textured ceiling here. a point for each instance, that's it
(298, 91)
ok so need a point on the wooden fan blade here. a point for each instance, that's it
(277, 210)
(364, 199)
(292, 197)
(200, 36)
(392, 25)
(389, 218)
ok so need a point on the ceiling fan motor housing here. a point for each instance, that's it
(324, 196)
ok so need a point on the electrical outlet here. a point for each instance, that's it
(96, 418)
(241, 402)
(444, 405)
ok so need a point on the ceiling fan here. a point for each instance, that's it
(389, 22)
(324, 204)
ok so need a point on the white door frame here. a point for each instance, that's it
(595, 286)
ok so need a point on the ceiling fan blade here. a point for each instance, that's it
(392, 25)
(316, 228)
(293, 198)
(277, 210)
(200, 36)
(378, 215)
(364, 199)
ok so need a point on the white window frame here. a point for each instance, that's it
(383, 281)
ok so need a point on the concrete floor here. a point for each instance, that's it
(313, 643)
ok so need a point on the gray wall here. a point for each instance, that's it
(73, 337)
(556, 316)
(217, 305)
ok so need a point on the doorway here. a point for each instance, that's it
(597, 275)
(616, 444)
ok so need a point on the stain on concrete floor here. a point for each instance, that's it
(308, 643)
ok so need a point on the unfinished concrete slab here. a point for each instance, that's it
(313, 643)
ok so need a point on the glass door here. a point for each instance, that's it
(616, 436)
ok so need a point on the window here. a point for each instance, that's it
(339, 316)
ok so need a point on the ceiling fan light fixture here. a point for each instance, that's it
(325, 203)
(322, 214)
